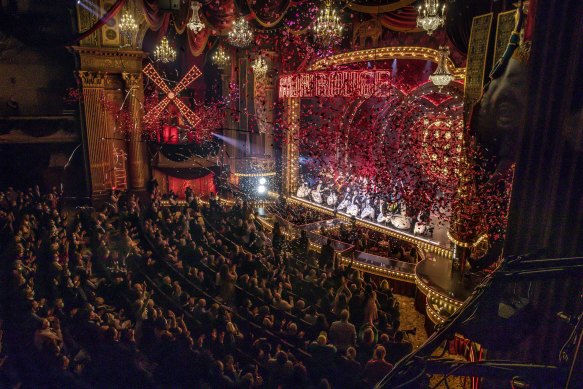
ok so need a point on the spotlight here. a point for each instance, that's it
(262, 181)
(261, 189)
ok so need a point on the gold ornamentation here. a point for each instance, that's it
(92, 79)
(385, 53)
(504, 27)
(476, 63)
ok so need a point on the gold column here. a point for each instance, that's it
(137, 160)
(98, 147)
(291, 153)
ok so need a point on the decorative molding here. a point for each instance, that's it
(476, 62)
(386, 53)
(110, 60)
(92, 79)
(85, 20)
(504, 27)
(132, 80)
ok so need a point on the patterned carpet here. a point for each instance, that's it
(410, 318)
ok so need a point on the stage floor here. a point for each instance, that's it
(438, 238)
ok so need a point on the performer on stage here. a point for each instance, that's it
(368, 210)
(353, 208)
(345, 201)
(332, 198)
(303, 190)
(381, 216)
(317, 193)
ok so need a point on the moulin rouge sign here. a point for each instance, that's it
(341, 83)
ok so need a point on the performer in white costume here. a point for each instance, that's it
(345, 201)
(352, 209)
(332, 198)
(303, 190)
(317, 194)
(368, 210)
(381, 216)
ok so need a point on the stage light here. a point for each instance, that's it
(261, 189)
(262, 181)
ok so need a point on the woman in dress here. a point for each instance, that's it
(368, 211)
(381, 216)
(317, 193)
(345, 201)
(332, 198)
(303, 190)
(353, 208)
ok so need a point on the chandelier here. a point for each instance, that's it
(259, 67)
(164, 52)
(128, 25)
(241, 34)
(220, 57)
(431, 16)
(441, 76)
(195, 24)
(327, 28)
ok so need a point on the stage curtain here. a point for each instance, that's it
(202, 186)
(268, 13)
(459, 21)
(114, 10)
(403, 20)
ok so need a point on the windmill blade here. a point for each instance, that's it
(154, 113)
(155, 77)
(187, 113)
(188, 78)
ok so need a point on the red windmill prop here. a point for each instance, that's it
(172, 95)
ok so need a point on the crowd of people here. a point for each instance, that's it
(181, 296)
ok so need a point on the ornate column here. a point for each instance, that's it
(291, 147)
(96, 134)
(137, 160)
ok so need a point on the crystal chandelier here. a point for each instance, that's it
(441, 76)
(327, 28)
(431, 16)
(220, 57)
(241, 34)
(195, 24)
(259, 67)
(128, 25)
(164, 52)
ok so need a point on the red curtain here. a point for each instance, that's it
(403, 20)
(114, 10)
(202, 186)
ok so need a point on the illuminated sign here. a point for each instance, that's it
(341, 83)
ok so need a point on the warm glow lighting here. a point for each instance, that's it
(164, 52)
(220, 57)
(128, 25)
(431, 16)
(442, 77)
(259, 67)
(327, 28)
(241, 34)
(341, 83)
(195, 24)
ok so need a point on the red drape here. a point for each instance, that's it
(202, 186)
(114, 10)
(218, 16)
(404, 20)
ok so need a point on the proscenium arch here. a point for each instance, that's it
(388, 53)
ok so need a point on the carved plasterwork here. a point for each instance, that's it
(92, 79)
(110, 60)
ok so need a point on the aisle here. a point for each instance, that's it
(410, 318)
